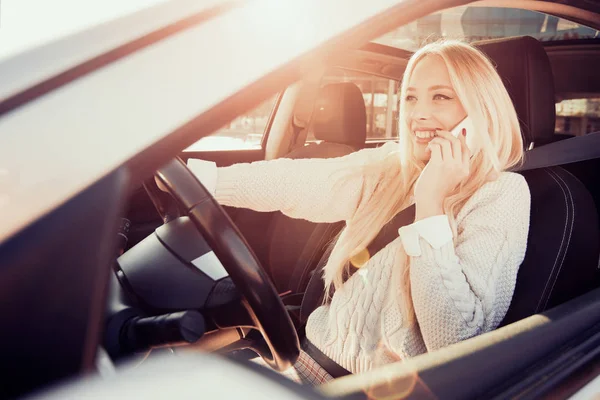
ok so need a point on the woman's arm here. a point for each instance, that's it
(318, 190)
(462, 290)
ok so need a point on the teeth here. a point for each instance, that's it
(425, 134)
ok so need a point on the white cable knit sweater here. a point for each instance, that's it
(460, 289)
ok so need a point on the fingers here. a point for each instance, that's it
(466, 152)
(437, 149)
(450, 147)
(445, 148)
(460, 150)
(436, 152)
(457, 146)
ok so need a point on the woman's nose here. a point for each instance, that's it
(421, 111)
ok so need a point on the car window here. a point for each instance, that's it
(243, 133)
(471, 23)
(381, 101)
(578, 116)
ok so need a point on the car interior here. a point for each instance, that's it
(563, 246)
(156, 304)
(561, 262)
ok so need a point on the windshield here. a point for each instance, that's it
(479, 23)
(30, 23)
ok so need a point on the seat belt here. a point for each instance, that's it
(313, 296)
(332, 368)
(568, 151)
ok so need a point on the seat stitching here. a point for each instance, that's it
(560, 247)
(561, 250)
(561, 244)
(568, 240)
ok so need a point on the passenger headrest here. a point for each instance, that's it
(339, 115)
(525, 69)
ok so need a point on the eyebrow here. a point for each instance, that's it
(435, 87)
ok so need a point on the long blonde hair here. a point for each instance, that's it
(485, 99)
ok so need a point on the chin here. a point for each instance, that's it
(422, 154)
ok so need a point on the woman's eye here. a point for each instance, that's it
(440, 97)
(410, 98)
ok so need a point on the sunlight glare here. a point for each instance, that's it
(277, 15)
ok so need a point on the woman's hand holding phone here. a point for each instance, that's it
(448, 166)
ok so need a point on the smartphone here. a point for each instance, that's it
(467, 124)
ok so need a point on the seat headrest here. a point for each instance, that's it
(339, 115)
(525, 69)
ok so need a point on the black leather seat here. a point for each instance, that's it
(561, 261)
(525, 69)
(295, 246)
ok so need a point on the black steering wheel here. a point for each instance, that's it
(260, 297)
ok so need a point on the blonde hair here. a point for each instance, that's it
(485, 99)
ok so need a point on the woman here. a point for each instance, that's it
(448, 276)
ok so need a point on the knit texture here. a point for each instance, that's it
(460, 290)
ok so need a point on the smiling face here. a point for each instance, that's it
(431, 103)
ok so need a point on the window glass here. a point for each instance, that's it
(243, 133)
(381, 101)
(471, 23)
(578, 116)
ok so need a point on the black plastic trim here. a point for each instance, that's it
(54, 277)
(561, 364)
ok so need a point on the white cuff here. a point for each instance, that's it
(435, 230)
(206, 172)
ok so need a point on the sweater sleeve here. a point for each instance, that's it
(463, 288)
(318, 190)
